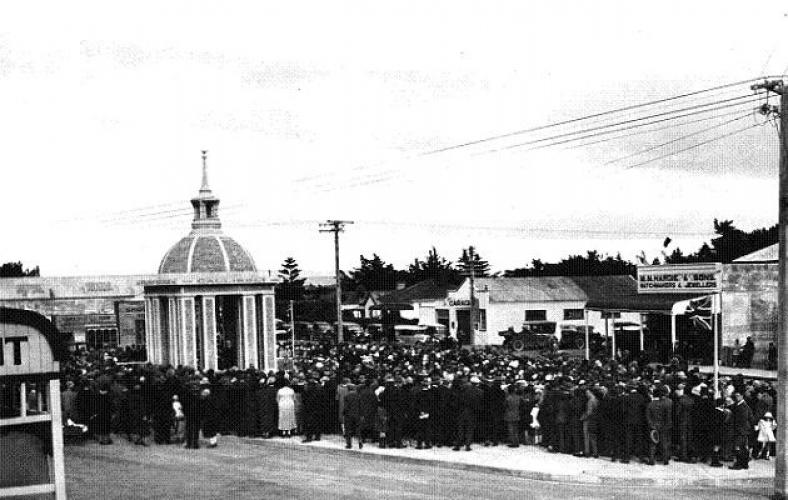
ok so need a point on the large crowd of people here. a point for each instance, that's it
(436, 395)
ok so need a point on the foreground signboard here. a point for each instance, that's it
(30, 418)
(680, 278)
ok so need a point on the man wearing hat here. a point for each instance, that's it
(682, 419)
(634, 409)
(312, 401)
(742, 425)
(351, 416)
(446, 409)
(424, 413)
(390, 401)
(470, 402)
(659, 415)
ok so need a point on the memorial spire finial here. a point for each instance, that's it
(204, 188)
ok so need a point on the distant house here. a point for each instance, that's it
(359, 304)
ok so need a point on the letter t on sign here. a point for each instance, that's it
(17, 342)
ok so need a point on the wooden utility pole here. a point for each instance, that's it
(336, 227)
(472, 336)
(781, 112)
(292, 330)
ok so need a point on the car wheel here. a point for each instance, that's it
(518, 344)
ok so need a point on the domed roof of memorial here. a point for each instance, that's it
(206, 249)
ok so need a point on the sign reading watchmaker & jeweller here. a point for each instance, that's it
(680, 278)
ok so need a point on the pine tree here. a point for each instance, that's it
(481, 268)
(291, 286)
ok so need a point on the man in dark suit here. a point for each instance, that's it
(424, 413)
(391, 401)
(312, 400)
(682, 420)
(351, 416)
(470, 402)
(659, 415)
(446, 412)
(742, 426)
(368, 404)
(634, 410)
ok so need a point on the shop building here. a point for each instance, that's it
(509, 302)
(90, 311)
(686, 305)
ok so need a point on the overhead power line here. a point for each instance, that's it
(390, 174)
(587, 117)
(656, 129)
(749, 98)
(678, 139)
(694, 146)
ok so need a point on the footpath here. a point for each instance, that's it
(534, 462)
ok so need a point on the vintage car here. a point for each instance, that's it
(533, 336)
(425, 334)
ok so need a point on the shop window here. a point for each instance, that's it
(608, 315)
(100, 338)
(139, 331)
(535, 315)
(573, 314)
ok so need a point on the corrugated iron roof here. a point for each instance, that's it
(532, 289)
(768, 254)
(423, 290)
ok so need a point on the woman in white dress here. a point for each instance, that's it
(285, 397)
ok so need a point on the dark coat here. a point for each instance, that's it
(249, 408)
(391, 401)
(368, 403)
(634, 409)
(209, 416)
(424, 402)
(102, 413)
(742, 419)
(351, 406)
(512, 409)
(659, 414)
(470, 400)
(683, 412)
(313, 401)
(137, 412)
(267, 409)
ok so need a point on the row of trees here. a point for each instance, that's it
(374, 273)
(17, 270)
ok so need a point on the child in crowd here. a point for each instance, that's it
(177, 419)
(766, 440)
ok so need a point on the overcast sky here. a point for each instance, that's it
(318, 110)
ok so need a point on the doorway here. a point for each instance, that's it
(464, 326)
(228, 324)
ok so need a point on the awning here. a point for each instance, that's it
(654, 303)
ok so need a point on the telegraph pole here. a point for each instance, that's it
(473, 295)
(292, 329)
(781, 112)
(336, 227)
